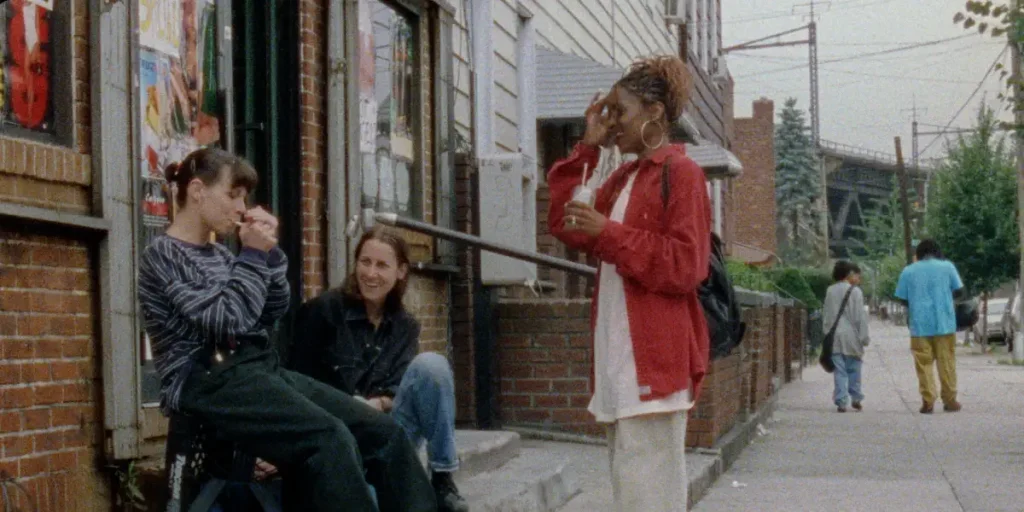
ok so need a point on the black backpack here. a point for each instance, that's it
(717, 297)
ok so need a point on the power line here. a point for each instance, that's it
(981, 84)
(878, 59)
(865, 55)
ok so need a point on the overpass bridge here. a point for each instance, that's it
(857, 179)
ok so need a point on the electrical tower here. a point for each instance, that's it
(814, 110)
(812, 45)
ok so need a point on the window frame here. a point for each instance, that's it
(445, 138)
(416, 14)
(61, 90)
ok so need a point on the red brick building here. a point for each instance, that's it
(753, 227)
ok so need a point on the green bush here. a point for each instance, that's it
(819, 280)
(791, 283)
(747, 277)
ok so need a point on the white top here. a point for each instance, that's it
(616, 392)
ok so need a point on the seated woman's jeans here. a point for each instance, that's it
(425, 409)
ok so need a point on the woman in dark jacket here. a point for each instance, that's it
(361, 340)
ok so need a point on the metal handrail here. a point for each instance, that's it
(369, 217)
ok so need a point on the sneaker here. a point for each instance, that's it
(952, 407)
(448, 498)
(858, 407)
(927, 408)
(840, 409)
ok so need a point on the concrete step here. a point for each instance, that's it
(537, 480)
(481, 451)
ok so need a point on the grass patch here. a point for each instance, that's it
(1010, 362)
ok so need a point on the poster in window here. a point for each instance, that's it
(178, 95)
(26, 94)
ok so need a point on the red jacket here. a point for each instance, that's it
(661, 253)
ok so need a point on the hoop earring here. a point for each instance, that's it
(643, 139)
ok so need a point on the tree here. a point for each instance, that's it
(797, 187)
(973, 214)
(881, 235)
(999, 20)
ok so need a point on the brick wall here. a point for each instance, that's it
(51, 424)
(754, 145)
(50, 410)
(545, 360)
(312, 105)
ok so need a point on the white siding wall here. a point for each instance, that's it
(463, 52)
(611, 32)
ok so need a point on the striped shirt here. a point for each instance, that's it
(198, 297)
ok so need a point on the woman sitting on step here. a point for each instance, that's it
(208, 313)
(361, 340)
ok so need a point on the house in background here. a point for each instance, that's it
(754, 233)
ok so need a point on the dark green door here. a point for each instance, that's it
(266, 105)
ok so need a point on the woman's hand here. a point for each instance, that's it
(257, 235)
(264, 470)
(381, 403)
(258, 214)
(583, 218)
(599, 123)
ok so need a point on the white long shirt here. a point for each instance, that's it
(616, 391)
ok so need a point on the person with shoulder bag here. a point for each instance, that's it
(842, 350)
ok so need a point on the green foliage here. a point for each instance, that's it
(974, 211)
(1001, 20)
(748, 277)
(881, 235)
(790, 282)
(797, 187)
(879, 277)
(819, 280)
(129, 494)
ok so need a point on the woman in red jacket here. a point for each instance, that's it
(650, 227)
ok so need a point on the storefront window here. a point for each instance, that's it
(389, 139)
(33, 51)
(178, 110)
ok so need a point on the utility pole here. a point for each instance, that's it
(814, 109)
(1018, 98)
(812, 55)
(905, 199)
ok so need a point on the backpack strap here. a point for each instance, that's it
(664, 186)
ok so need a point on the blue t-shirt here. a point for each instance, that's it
(928, 287)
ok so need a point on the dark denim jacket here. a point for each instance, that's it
(335, 343)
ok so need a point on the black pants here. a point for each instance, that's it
(328, 444)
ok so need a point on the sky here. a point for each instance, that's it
(866, 101)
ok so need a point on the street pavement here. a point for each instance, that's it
(889, 457)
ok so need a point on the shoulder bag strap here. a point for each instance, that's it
(842, 308)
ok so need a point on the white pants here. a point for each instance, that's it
(648, 463)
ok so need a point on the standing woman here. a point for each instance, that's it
(208, 313)
(650, 227)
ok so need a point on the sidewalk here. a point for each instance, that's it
(890, 457)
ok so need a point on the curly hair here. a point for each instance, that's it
(662, 78)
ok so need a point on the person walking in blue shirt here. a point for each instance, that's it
(928, 287)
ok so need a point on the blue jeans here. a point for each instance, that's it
(847, 377)
(425, 408)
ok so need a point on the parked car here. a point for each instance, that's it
(997, 321)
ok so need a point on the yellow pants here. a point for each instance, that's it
(942, 350)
